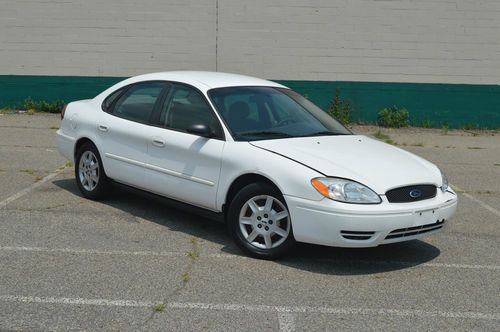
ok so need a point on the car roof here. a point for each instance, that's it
(204, 80)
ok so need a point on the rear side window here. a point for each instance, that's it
(108, 102)
(138, 102)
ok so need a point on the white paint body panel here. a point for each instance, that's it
(186, 168)
(375, 164)
(200, 171)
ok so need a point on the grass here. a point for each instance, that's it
(193, 254)
(474, 148)
(28, 171)
(54, 127)
(426, 124)
(444, 130)
(160, 307)
(383, 137)
(417, 144)
(7, 111)
(67, 165)
(185, 278)
(38, 178)
(470, 126)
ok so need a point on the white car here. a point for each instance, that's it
(272, 165)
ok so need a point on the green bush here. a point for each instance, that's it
(42, 106)
(393, 117)
(340, 109)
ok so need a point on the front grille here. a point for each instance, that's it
(411, 193)
(356, 235)
(411, 231)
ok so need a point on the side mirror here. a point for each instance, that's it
(200, 130)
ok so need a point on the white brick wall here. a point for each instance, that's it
(443, 41)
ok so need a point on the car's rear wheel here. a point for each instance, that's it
(89, 173)
(259, 221)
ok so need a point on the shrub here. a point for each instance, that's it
(340, 109)
(42, 106)
(393, 117)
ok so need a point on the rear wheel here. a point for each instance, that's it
(89, 173)
(259, 221)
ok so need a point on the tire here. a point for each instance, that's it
(259, 221)
(89, 173)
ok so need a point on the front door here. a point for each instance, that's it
(181, 165)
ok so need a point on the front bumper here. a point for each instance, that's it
(332, 223)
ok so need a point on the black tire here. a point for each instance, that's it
(94, 191)
(258, 192)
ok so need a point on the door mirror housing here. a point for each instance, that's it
(200, 130)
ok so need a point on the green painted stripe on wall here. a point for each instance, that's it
(456, 105)
(14, 88)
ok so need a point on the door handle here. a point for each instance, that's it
(103, 128)
(158, 142)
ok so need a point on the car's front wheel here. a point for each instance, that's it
(89, 173)
(259, 221)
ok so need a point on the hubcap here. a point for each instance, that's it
(264, 222)
(88, 170)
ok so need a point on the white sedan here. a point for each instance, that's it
(272, 165)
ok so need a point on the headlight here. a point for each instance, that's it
(347, 191)
(444, 182)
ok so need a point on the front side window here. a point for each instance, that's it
(187, 107)
(257, 113)
(138, 102)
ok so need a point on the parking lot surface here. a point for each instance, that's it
(135, 263)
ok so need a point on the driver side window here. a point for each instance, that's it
(186, 107)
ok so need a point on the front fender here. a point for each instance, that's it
(291, 178)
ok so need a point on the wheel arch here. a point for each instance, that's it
(240, 182)
(79, 142)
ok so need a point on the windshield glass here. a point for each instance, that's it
(259, 113)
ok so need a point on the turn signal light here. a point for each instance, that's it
(321, 187)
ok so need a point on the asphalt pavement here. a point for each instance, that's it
(135, 263)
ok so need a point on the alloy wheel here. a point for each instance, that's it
(264, 222)
(88, 170)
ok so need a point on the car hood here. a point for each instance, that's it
(377, 165)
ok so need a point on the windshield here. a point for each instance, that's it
(259, 113)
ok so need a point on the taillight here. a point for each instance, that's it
(63, 110)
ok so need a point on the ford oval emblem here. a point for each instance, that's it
(415, 193)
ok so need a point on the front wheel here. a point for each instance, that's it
(259, 221)
(89, 173)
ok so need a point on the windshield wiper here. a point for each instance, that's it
(324, 133)
(264, 133)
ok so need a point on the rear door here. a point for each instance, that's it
(125, 131)
(181, 165)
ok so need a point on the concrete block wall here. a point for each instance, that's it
(105, 38)
(429, 41)
(436, 41)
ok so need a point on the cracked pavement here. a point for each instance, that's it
(68, 263)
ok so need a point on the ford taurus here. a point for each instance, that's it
(267, 161)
